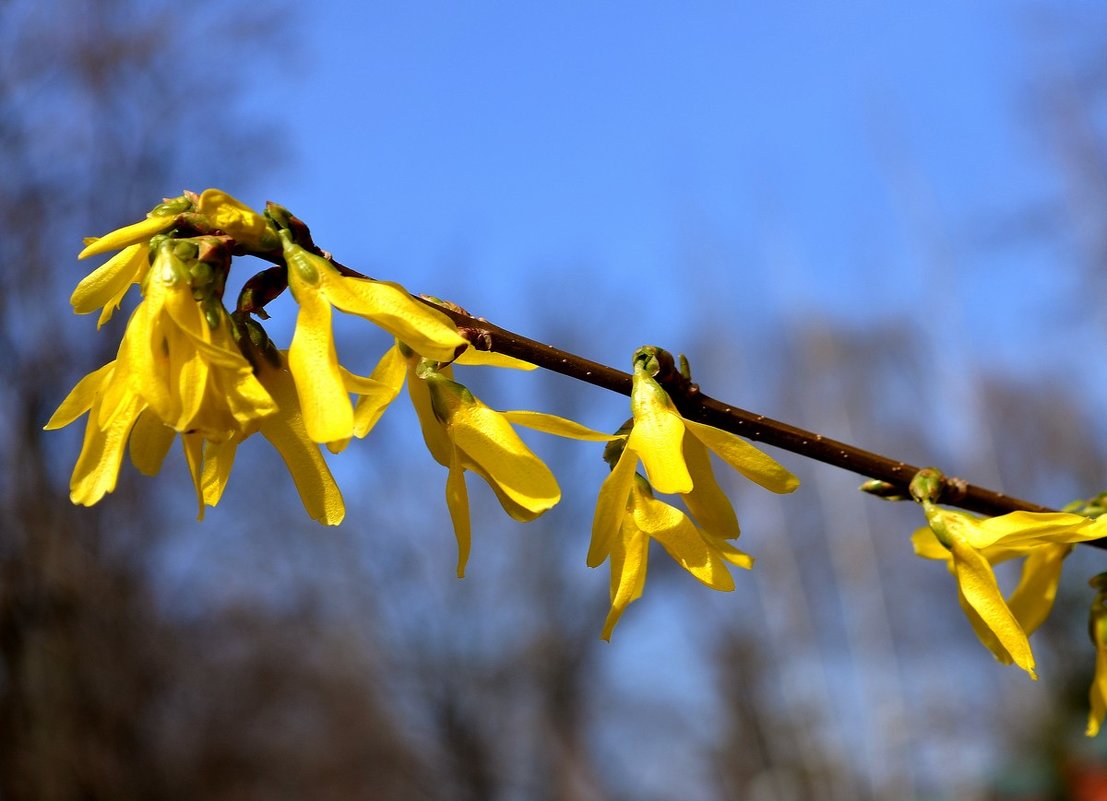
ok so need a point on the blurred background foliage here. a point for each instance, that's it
(256, 656)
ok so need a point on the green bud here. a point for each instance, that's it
(685, 367)
(202, 274)
(253, 340)
(213, 313)
(300, 260)
(171, 207)
(926, 486)
(281, 217)
(885, 490)
(185, 249)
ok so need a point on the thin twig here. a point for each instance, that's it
(695, 405)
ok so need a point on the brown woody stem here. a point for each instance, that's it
(695, 405)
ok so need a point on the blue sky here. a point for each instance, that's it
(521, 140)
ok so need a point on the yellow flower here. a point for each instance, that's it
(628, 515)
(317, 286)
(237, 220)
(187, 370)
(970, 546)
(286, 432)
(463, 434)
(675, 454)
(1097, 629)
(662, 439)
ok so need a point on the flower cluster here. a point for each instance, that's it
(188, 366)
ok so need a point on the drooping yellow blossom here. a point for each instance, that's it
(1097, 630)
(661, 438)
(675, 454)
(463, 434)
(628, 516)
(317, 286)
(970, 546)
(285, 431)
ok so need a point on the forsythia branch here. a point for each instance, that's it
(189, 367)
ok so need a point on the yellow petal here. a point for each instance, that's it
(244, 396)
(611, 507)
(326, 406)
(732, 554)
(558, 426)
(1016, 529)
(675, 531)
(1097, 693)
(471, 357)
(105, 286)
(150, 442)
(926, 545)
(457, 500)
(97, 468)
(287, 433)
(218, 461)
(193, 445)
(80, 398)
(1032, 600)
(983, 633)
(388, 379)
(425, 330)
(135, 233)
(978, 583)
(658, 435)
(758, 467)
(707, 502)
(236, 219)
(188, 380)
(434, 432)
(485, 437)
(142, 359)
(629, 559)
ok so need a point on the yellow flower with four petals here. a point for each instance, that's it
(463, 434)
(970, 546)
(675, 454)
